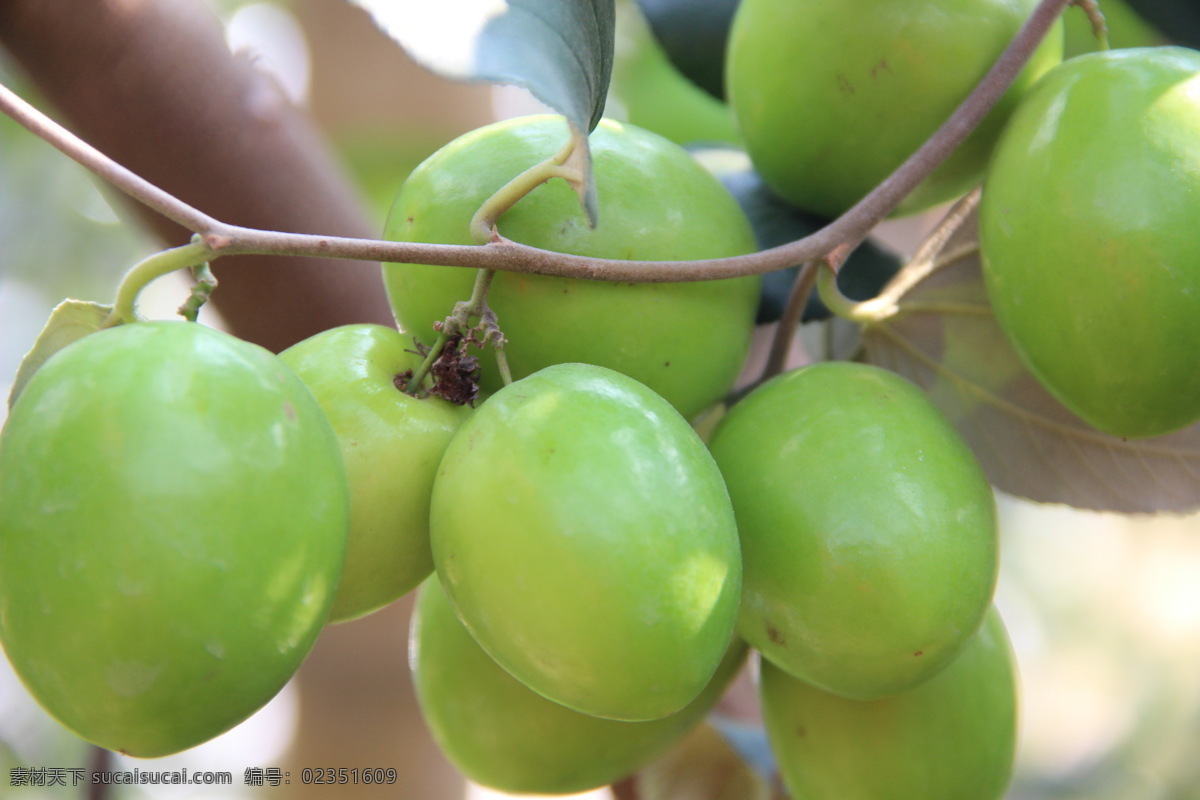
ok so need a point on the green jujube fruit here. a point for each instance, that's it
(951, 738)
(173, 514)
(585, 538)
(686, 341)
(1088, 230)
(391, 445)
(831, 96)
(502, 734)
(868, 529)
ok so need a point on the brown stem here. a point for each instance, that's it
(501, 254)
(802, 287)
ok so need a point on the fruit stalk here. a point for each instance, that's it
(459, 324)
(806, 279)
(483, 224)
(192, 254)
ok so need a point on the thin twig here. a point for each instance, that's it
(806, 279)
(502, 254)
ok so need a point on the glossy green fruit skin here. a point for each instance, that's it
(686, 341)
(173, 515)
(950, 738)
(868, 529)
(503, 735)
(391, 445)
(586, 540)
(832, 95)
(1088, 233)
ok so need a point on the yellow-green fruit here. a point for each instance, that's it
(686, 341)
(950, 738)
(173, 515)
(391, 444)
(832, 95)
(1088, 229)
(585, 538)
(502, 734)
(868, 530)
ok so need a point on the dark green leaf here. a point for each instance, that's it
(693, 33)
(936, 328)
(1178, 20)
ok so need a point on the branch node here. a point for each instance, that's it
(838, 255)
(218, 241)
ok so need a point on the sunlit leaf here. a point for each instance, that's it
(70, 321)
(560, 50)
(702, 767)
(941, 334)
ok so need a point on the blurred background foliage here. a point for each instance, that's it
(1104, 610)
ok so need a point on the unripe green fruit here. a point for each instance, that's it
(1088, 231)
(832, 95)
(950, 738)
(585, 538)
(173, 515)
(686, 341)
(868, 530)
(502, 734)
(391, 445)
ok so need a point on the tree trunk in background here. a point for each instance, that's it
(362, 82)
(153, 85)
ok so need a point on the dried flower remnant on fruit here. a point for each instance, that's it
(455, 373)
